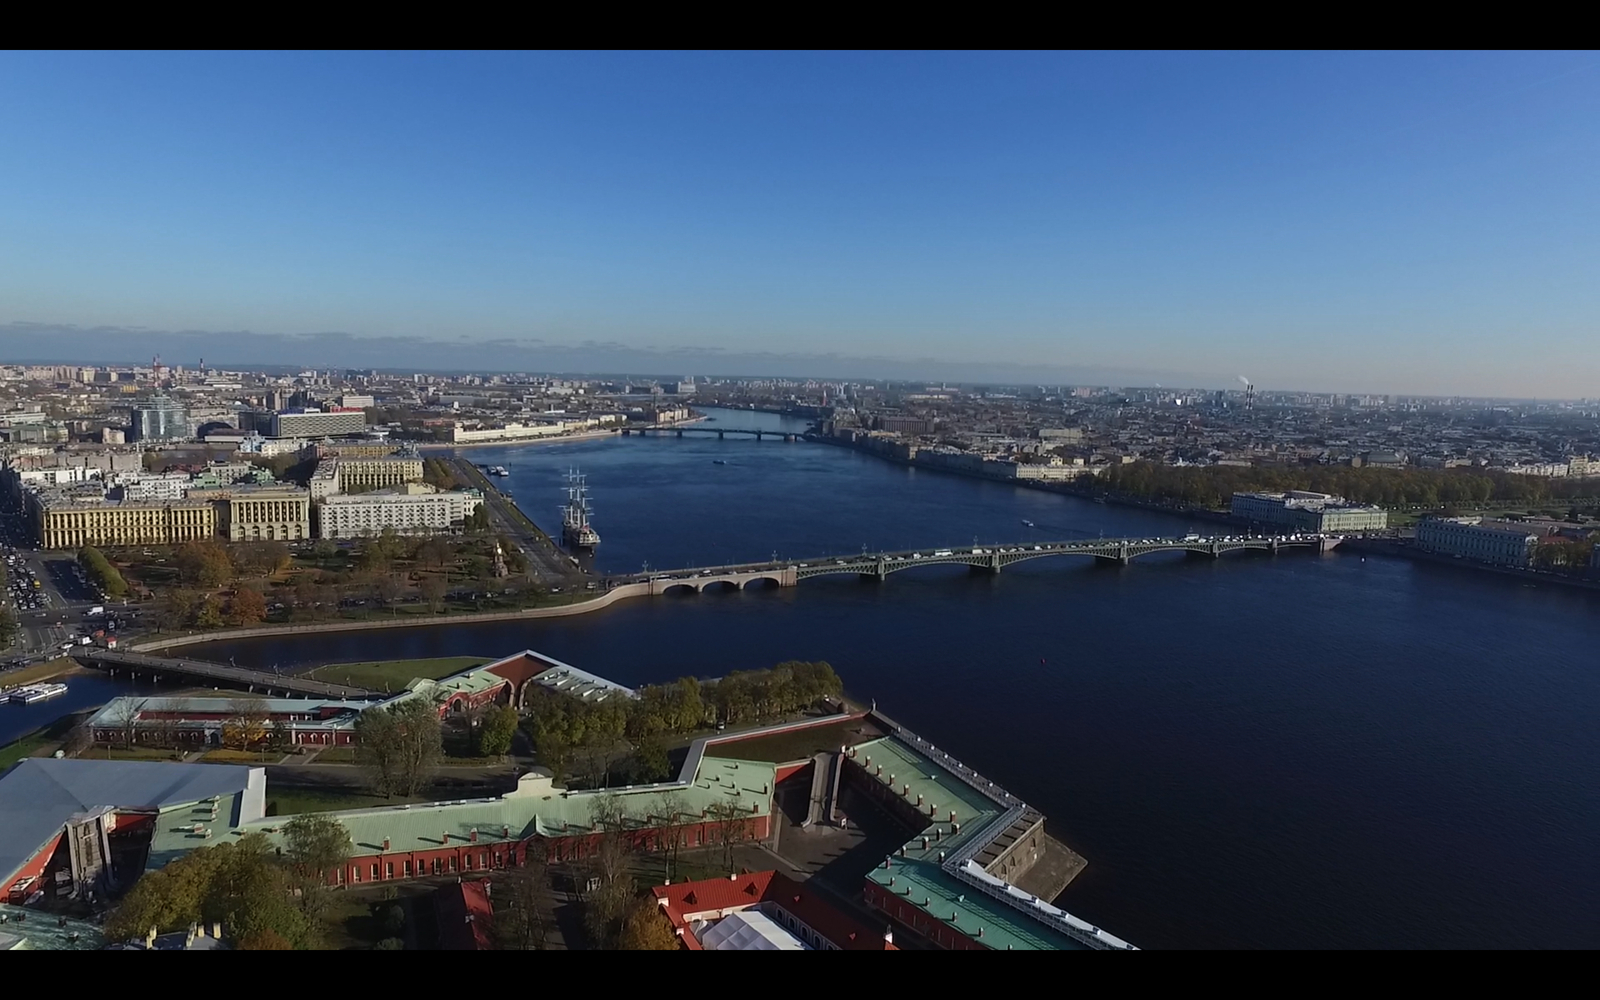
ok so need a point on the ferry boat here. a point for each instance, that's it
(499, 470)
(30, 693)
(575, 527)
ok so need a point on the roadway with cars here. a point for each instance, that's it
(48, 594)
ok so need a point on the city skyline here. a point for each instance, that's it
(1356, 223)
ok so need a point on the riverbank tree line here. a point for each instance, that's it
(578, 737)
(1213, 486)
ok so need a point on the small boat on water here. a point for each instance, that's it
(1027, 523)
(718, 461)
(30, 693)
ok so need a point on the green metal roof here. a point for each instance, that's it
(919, 877)
(540, 808)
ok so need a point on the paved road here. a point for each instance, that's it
(549, 564)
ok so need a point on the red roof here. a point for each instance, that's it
(466, 917)
(751, 889)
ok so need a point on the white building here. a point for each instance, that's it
(1472, 538)
(413, 509)
(162, 486)
(1305, 510)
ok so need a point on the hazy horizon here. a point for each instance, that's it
(1373, 223)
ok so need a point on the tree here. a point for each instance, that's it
(8, 627)
(99, 569)
(729, 824)
(520, 896)
(246, 607)
(399, 745)
(248, 723)
(235, 883)
(316, 844)
(265, 939)
(209, 613)
(388, 587)
(434, 589)
(496, 730)
(645, 928)
(324, 550)
(605, 906)
(204, 564)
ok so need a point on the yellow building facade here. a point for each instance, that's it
(268, 514)
(359, 474)
(71, 526)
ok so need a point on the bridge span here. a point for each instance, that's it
(721, 432)
(988, 558)
(141, 665)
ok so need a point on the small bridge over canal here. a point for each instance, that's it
(141, 666)
(986, 558)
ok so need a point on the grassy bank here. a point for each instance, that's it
(49, 670)
(393, 675)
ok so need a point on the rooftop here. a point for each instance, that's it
(39, 795)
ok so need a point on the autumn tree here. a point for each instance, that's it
(204, 564)
(209, 613)
(248, 723)
(246, 607)
(646, 928)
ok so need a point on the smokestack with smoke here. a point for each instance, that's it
(1244, 380)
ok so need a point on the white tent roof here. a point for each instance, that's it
(749, 930)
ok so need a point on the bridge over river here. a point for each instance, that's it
(139, 665)
(986, 558)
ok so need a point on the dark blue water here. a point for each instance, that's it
(1294, 752)
(83, 691)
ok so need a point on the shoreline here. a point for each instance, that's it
(596, 435)
(1393, 550)
(615, 594)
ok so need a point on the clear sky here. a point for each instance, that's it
(1367, 222)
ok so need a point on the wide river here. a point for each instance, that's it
(1294, 752)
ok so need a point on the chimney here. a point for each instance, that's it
(386, 843)
(446, 837)
(952, 815)
(924, 843)
(473, 836)
(938, 833)
(919, 801)
(505, 833)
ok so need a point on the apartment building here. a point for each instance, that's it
(412, 509)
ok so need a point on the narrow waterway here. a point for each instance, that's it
(1302, 751)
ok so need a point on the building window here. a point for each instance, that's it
(374, 871)
(408, 868)
(388, 869)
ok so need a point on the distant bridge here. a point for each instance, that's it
(989, 558)
(707, 431)
(140, 665)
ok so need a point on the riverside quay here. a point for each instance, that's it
(957, 843)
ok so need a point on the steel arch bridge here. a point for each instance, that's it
(991, 558)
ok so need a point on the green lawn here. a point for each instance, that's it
(394, 675)
(131, 753)
(25, 747)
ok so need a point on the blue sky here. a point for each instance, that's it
(1377, 222)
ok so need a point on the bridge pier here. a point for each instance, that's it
(680, 433)
(720, 435)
